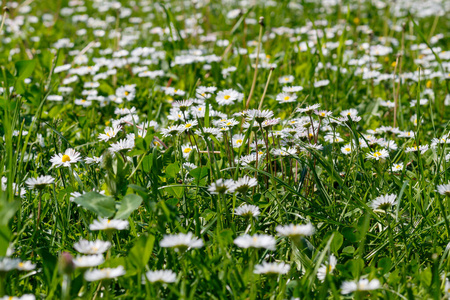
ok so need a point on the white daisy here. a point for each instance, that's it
(181, 242)
(39, 182)
(247, 210)
(327, 268)
(69, 157)
(384, 202)
(92, 247)
(88, 261)
(242, 185)
(221, 186)
(110, 132)
(381, 154)
(256, 241)
(106, 273)
(295, 231)
(162, 276)
(444, 189)
(272, 268)
(105, 224)
(363, 284)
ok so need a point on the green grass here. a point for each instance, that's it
(357, 46)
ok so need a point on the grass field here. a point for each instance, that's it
(225, 149)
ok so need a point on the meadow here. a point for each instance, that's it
(228, 149)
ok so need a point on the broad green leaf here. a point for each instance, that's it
(5, 235)
(172, 170)
(129, 203)
(141, 251)
(24, 68)
(7, 211)
(102, 205)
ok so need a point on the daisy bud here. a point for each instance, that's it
(66, 265)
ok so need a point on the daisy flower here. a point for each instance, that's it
(397, 167)
(323, 113)
(23, 297)
(186, 150)
(221, 186)
(105, 224)
(237, 140)
(383, 153)
(182, 105)
(346, 149)
(181, 242)
(92, 247)
(309, 109)
(349, 112)
(88, 261)
(172, 130)
(272, 268)
(421, 148)
(242, 185)
(39, 182)
(286, 97)
(286, 79)
(363, 284)
(407, 134)
(188, 125)
(106, 273)
(259, 115)
(327, 268)
(247, 210)
(295, 231)
(292, 89)
(162, 276)
(25, 266)
(321, 83)
(110, 132)
(256, 241)
(203, 92)
(123, 144)
(384, 202)
(8, 264)
(70, 156)
(227, 97)
(444, 189)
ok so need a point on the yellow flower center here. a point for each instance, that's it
(377, 154)
(127, 93)
(286, 98)
(286, 79)
(21, 264)
(348, 149)
(239, 141)
(187, 150)
(226, 97)
(65, 158)
(187, 125)
(228, 123)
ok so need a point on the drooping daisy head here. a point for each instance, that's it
(384, 202)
